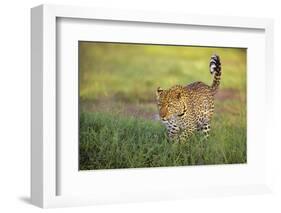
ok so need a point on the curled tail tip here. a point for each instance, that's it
(215, 56)
(215, 64)
(215, 68)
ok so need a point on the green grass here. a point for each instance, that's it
(110, 141)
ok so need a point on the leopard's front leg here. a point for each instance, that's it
(187, 132)
(206, 129)
(173, 131)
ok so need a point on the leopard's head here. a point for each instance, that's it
(170, 103)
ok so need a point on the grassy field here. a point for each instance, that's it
(118, 115)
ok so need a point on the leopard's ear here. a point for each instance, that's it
(158, 92)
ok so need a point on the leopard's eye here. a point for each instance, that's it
(181, 114)
(184, 111)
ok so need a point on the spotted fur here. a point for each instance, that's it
(186, 109)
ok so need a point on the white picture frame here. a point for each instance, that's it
(45, 167)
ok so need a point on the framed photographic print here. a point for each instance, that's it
(130, 106)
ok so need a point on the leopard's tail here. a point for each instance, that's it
(215, 70)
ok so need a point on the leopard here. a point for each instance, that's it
(187, 109)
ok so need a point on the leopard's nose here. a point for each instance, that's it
(163, 112)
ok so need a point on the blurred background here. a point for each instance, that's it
(122, 78)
